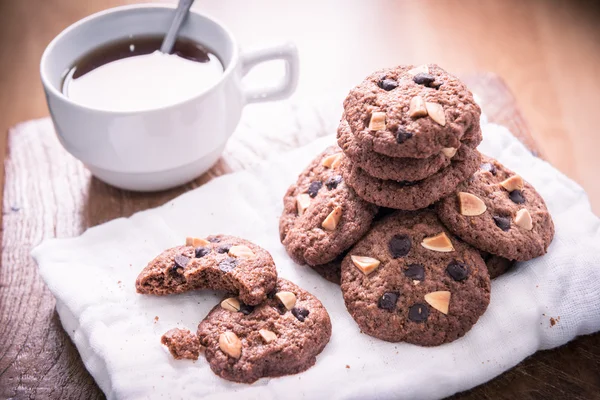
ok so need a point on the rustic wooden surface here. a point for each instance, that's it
(49, 194)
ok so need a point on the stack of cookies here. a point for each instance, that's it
(407, 215)
(409, 136)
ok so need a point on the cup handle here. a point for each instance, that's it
(286, 86)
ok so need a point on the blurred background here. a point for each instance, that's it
(547, 51)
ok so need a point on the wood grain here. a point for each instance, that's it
(49, 194)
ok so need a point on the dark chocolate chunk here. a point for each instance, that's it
(223, 249)
(202, 251)
(517, 196)
(415, 272)
(423, 79)
(228, 264)
(388, 301)
(387, 84)
(245, 308)
(502, 222)
(489, 167)
(457, 270)
(181, 261)
(333, 182)
(213, 239)
(314, 188)
(399, 246)
(418, 312)
(300, 313)
(402, 135)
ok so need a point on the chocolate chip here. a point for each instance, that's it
(314, 188)
(418, 312)
(399, 245)
(246, 309)
(176, 271)
(502, 222)
(202, 251)
(223, 249)
(457, 270)
(228, 264)
(415, 272)
(388, 301)
(333, 182)
(517, 196)
(300, 313)
(387, 84)
(181, 261)
(213, 239)
(488, 167)
(402, 135)
(423, 79)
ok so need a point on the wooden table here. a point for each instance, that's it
(37, 358)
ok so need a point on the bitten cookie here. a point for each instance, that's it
(410, 280)
(218, 262)
(182, 344)
(405, 195)
(500, 213)
(322, 216)
(281, 336)
(414, 112)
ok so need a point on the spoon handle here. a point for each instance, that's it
(180, 13)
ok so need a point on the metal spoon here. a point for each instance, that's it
(180, 14)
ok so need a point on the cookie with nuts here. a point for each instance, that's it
(218, 262)
(281, 336)
(413, 112)
(499, 212)
(411, 195)
(396, 168)
(410, 280)
(322, 216)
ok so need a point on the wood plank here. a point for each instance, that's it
(37, 358)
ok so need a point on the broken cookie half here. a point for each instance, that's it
(218, 262)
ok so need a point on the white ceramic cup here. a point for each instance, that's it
(163, 147)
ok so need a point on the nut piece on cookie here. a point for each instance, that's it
(436, 113)
(523, 219)
(267, 335)
(196, 242)
(302, 202)
(332, 161)
(332, 220)
(377, 122)
(470, 205)
(440, 242)
(439, 300)
(515, 182)
(365, 264)
(231, 304)
(288, 299)
(417, 107)
(230, 344)
(240, 251)
(449, 151)
(182, 344)
(421, 69)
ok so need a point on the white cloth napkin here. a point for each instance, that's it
(117, 331)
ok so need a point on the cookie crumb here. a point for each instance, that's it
(181, 343)
(554, 321)
(347, 366)
(156, 319)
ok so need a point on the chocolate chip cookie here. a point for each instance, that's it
(218, 262)
(322, 216)
(410, 280)
(500, 213)
(410, 195)
(281, 336)
(496, 265)
(414, 112)
(398, 169)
